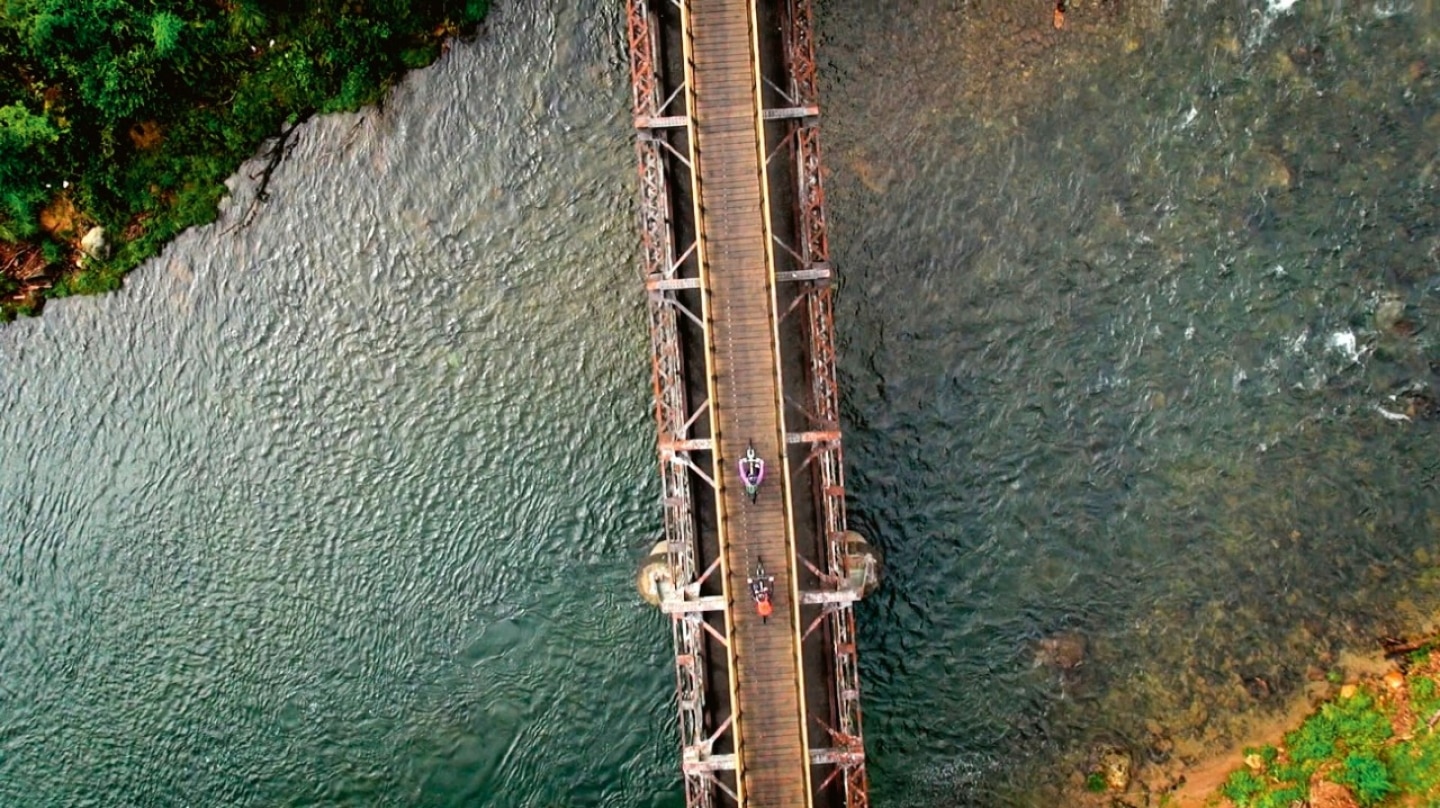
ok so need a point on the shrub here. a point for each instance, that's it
(1422, 692)
(1368, 776)
(215, 79)
(1242, 787)
(1283, 797)
(1348, 725)
(1267, 753)
(1313, 742)
(1415, 767)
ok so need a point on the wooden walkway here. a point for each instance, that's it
(737, 273)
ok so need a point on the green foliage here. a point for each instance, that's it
(53, 252)
(214, 80)
(1242, 788)
(476, 9)
(1267, 753)
(1290, 773)
(1351, 724)
(17, 212)
(1423, 693)
(1313, 742)
(1283, 797)
(1349, 741)
(22, 130)
(248, 21)
(1416, 766)
(420, 55)
(1368, 776)
(1095, 782)
(94, 281)
(114, 54)
(26, 141)
(1360, 724)
(165, 29)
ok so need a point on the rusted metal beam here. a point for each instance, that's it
(663, 122)
(815, 272)
(813, 255)
(825, 437)
(660, 267)
(671, 284)
(687, 445)
(840, 756)
(783, 113)
(680, 605)
(710, 763)
(829, 596)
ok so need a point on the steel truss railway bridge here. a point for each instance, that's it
(736, 264)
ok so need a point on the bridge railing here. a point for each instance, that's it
(660, 266)
(848, 755)
(659, 119)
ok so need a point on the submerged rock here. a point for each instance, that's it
(1065, 650)
(1389, 314)
(1115, 766)
(1420, 403)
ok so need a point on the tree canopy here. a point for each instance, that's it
(132, 112)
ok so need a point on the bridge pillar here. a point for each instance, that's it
(863, 563)
(656, 579)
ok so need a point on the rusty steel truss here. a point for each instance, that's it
(662, 269)
(813, 254)
(670, 272)
(671, 411)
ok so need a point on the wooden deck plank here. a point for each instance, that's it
(742, 358)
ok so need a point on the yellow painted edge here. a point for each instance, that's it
(780, 401)
(719, 466)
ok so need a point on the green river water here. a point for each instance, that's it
(1139, 343)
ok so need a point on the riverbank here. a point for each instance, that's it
(1361, 732)
(1373, 744)
(119, 123)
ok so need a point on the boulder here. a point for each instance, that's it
(1115, 765)
(1389, 312)
(93, 244)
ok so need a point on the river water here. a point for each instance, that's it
(343, 507)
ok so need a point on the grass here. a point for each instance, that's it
(1351, 741)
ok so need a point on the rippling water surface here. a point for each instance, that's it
(343, 507)
(340, 508)
(1140, 327)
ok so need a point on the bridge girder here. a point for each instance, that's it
(660, 163)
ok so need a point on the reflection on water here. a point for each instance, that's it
(1171, 386)
(342, 508)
